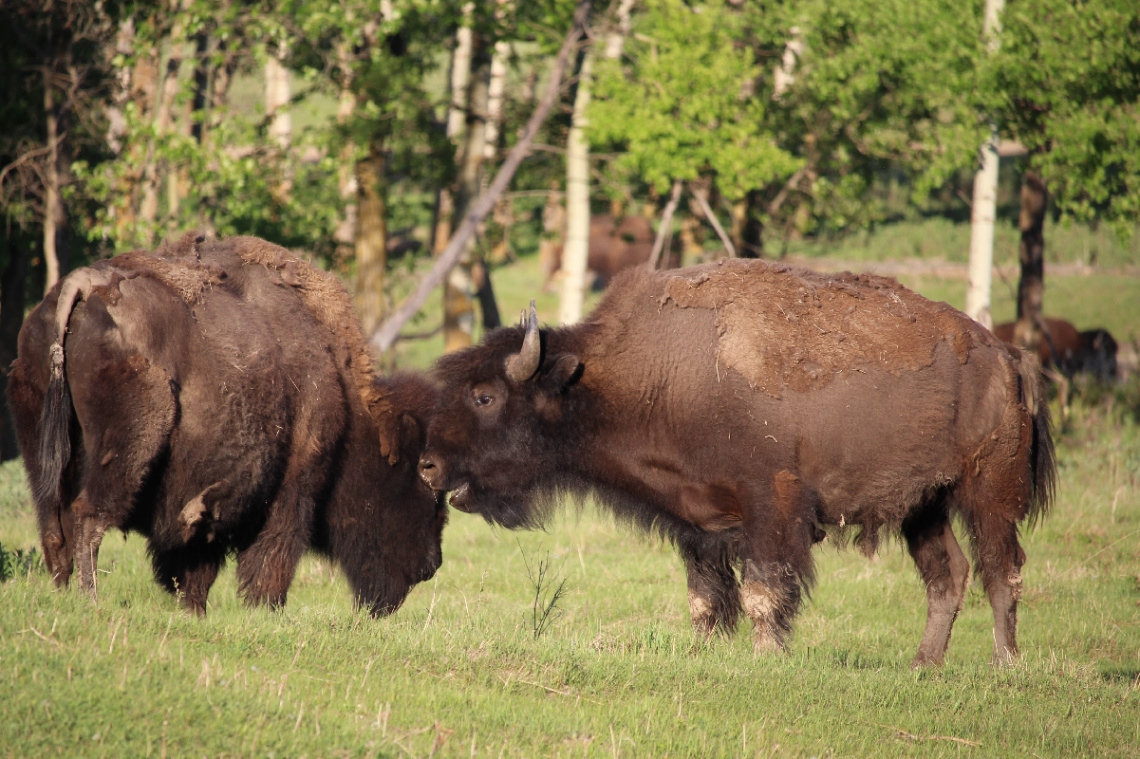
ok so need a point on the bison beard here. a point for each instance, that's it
(218, 399)
(742, 408)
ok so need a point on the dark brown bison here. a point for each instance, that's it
(218, 398)
(615, 245)
(1091, 352)
(742, 407)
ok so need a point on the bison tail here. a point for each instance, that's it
(55, 430)
(1042, 458)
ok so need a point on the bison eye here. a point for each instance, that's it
(483, 399)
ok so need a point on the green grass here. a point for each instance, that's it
(940, 239)
(459, 671)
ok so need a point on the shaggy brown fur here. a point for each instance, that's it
(742, 408)
(216, 411)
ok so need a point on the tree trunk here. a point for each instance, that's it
(751, 244)
(345, 234)
(53, 203)
(163, 122)
(1031, 286)
(576, 251)
(277, 95)
(983, 210)
(495, 98)
(459, 306)
(371, 238)
(665, 232)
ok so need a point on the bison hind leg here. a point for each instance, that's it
(945, 572)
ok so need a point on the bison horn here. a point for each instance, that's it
(523, 365)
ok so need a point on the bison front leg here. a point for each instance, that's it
(714, 593)
(266, 568)
(188, 572)
(778, 536)
(945, 571)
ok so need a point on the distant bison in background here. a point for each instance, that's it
(741, 408)
(615, 245)
(1091, 352)
(218, 397)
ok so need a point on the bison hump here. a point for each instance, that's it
(785, 328)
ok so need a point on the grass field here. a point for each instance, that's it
(462, 671)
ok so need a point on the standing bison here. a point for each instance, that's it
(217, 397)
(740, 408)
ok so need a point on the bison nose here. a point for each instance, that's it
(430, 471)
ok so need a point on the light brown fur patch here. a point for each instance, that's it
(807, 329)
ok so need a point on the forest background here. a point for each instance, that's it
(361, 133)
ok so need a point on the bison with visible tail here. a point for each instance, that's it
(217, 398)
(745, 408)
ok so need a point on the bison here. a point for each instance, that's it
(615, 245)
(218, 398)
(1091, 352)
(741, 409)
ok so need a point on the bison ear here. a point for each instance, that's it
(565, 370)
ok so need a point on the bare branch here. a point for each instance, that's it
(386, 334)
(666, 227)
(715, 223)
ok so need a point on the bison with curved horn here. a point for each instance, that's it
(743, 408)
(218, 398)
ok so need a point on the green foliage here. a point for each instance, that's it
(680, 110)
(1066, 83)
(19, 562)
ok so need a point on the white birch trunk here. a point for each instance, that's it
(277, 95)
(984, 205)
(52, 205)
(495, 98)
(576, 252)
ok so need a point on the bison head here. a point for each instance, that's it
(503, 431)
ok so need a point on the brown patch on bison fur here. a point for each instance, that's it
(812, 328)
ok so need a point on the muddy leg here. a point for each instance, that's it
(1000, 557)
(945, 571)
(188, 572)
(714, 593)
(194, 586)
(777, 562)
(57, 535)
(89, 529)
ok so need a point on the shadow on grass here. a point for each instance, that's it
(1115, 675)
